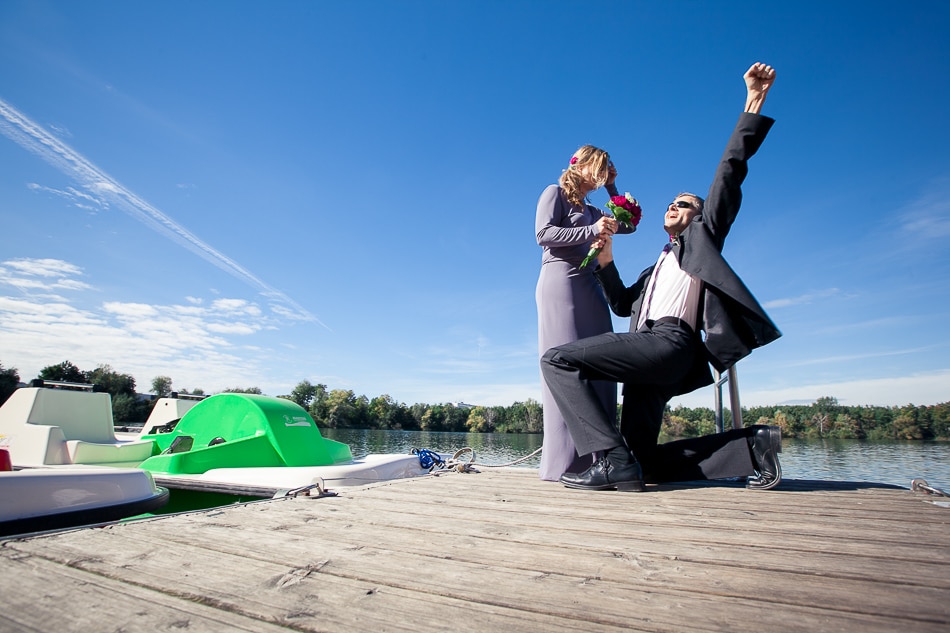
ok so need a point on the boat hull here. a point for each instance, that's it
(35, 500)
(267, 482)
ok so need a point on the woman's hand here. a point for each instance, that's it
(606, 226)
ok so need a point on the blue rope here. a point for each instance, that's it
(428, 459)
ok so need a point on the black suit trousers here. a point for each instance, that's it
(651, 363)
(656, 358)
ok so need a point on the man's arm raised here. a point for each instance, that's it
(725, 193)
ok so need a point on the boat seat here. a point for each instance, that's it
(166, 412)
(181, 444)
(42, 426)
(81, 452)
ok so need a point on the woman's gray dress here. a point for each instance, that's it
(571, 305)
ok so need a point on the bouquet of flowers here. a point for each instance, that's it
(626, 210)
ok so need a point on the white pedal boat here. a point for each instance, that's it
(239, 444)
(37, 500)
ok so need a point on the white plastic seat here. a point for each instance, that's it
(42, 426)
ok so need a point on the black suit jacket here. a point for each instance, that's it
(733, 321)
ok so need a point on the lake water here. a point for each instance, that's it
(895, 463)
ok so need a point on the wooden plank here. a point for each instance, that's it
(348, 529)
(504, 551)
(764, 522)
(42, 596)
(245, 588)
(337, 593)
(446, 533)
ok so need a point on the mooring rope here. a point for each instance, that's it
(920, 485)
(515, 462)
(434, 463)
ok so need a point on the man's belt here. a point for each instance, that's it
(669, 319)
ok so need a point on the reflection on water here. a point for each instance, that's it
(854, 460)
(894, 463)
(490, 448)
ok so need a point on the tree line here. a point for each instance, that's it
(824, 418)
(342, 408)
(336, 408)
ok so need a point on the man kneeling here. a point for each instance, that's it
(690, 288)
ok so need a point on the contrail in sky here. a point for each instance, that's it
(32, 137)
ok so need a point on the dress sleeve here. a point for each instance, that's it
(551, 222)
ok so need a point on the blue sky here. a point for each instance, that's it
(239, 194)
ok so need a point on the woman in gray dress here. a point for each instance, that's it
(571, 304)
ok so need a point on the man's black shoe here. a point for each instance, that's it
(605, 476)
(765, 444)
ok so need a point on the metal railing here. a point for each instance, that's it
(62, 384)
(734, 408)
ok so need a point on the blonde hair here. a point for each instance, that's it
(573, 183)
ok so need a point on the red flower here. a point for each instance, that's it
(626, 210)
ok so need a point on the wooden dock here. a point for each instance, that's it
(501, 551)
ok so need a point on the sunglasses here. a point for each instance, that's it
(682, 204)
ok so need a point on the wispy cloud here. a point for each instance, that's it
(850, 327)
(41, 267)
(928, 217)
(36, 276)
(218, 342)
(897, 390)
(917, 388)
(201, 345)
(804, 299)
(73, 195)
(847, 358)
(97, 188)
